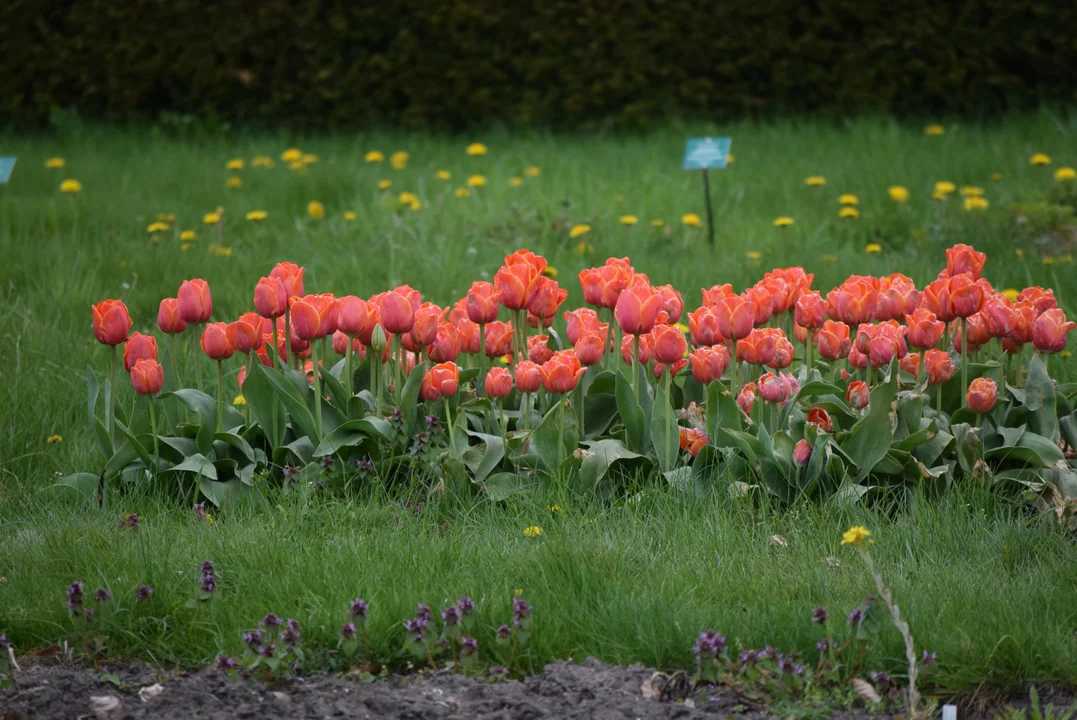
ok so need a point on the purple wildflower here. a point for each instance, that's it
(749, 657)
(131, 521)
(818, 615)
(290, 471)
(466, 605)
(4, 642)
(432, 420)
(143, 593)
(824, 646)
(102, 594)
(90, 612)
(347, 631)
(225, 663)
(268, 650)
(469, 646)
(290, 636)
(208, 583)
(928, 658)
(74, 594)
(415, 627)
(199, 511)
(358, 608)
(708, 645)
(252, 638)
(504, 632)
(364, 465)
(208, 569)
(855, 617)
(789, 667)
(520, 609)
(881, 679)
(422, 611)
(450, 616)
(271, 621)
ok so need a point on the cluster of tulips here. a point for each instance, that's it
(862, 325)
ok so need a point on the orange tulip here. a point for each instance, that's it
(195, 301)
(898, 297)
(693, 440)
(911, 364)
(772, 389)
(138, 347)
(760, 346)
(528, 377)
(602, 286)
(783, 352)
(833, 340)
(821, 419)
(446, 345)
(669, 344)
(246, 332)
(147, 377)
(111, 322)
(1024, 317)
(270, 297)
(981, 395)
(800, 333)
(590, 347)
(763, 302)
(659, 369)
(340, 344)
(858, 395)
(964, 259)
(858, 359)
(445, 378)
(736, 317)
(291, 276)
(516, 278)
(215, 343)
(546, 298)
(999, 315)
(746, 398)
(483, 303)
(978, 335)
(264, 348)
(703, 326)
(356, 317)
(716, 294)
(581, 321)
(498, 383)
(854, 301)
(398, 307)
(810, 311)
(468, 336)
(1042, 300)
(672, 304)
(797, 284)
(924, 329)
(498, 339)
(538, 349)
(964, 295)
(296, 343)
(562, 372)
(428, 319)
(1050, 330)
(940, 366)
(313, 317)
(645, 348)
(168, 317)
(935, 298)
(637, 309)
(427, 392)
(709, 363)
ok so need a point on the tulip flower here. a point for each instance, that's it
(528, 377)
(998, 315)
(138, 347)
(270, 297)
(801, 452)
(147, 377)
(356, 317)
(245, 334)
(498, 383)
(111, 322)
(483, 301)
(291, 276)
(669, 344)
(602, 286)
(858, 360)
(659, 369)
(538, 349)
(168, 317)
(736, 317)
(498, 339)
(911, 364)
(672, 305)
(1050, 330)
(590, 347)
(637, 309)
(935, 298)
(833, 340)
(580, 321)
(854, 301)
(643, 352)
(427, 391)
(964, 259)
(1024, 318)
(470, 338)
(217, 346)
(312, 316)
(924, 329)
(1042, 300)
(703, 327)
(561, 373)
(981, 395)
(858, 395)
(515, 281)
(964, 295)
(940, 367)
(810, 310)
(760, 347)
(195, 301)
(821, 419)
(693, 440)
(446, 345)
(763, 301)
(772, 389)
(709, 363)
(783, 352)
(340, 345)
(445, 378)
(746, 398)
(546, 299)
(397, 310)
(898, 297)
(977, 330)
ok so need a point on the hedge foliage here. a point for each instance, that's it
(566, 63)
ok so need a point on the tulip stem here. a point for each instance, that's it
(964, 357)
(198, 367)
(480, 384)
(635, 366)
(736, 371)
(526, 408)
(375, 390)
(579, 408)
(153, 429)
(561, 436)
(175, 361)
(288, 337)
(112, 394)
(504, 425)
(807, 351)
(348, 368)
(317, 388)
(448, 423)
(220, 393)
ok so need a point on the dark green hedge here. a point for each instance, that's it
(453, 63)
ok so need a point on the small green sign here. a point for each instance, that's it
(706, 153)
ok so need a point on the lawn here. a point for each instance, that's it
(985, 582)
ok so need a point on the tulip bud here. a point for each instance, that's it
(528, 377)
(802, 452)
(111, 322)
(138, 347)
(378, 341)
(195, 301)
(821, 419)
(215, 343)
(147, 377)
(1050, 330)
(940, 367)
(772, 389)
(858, 395)
(981, 395)
(589, 348)
(669, 344)
(693, 440)
(270, 297)
(168, 317)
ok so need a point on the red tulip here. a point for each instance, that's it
(964, 259)
(498, 339)
(291, 275)
(703, 326)
(538, 349)
(854, 301)
(783, 352)
(693, 440)
(356, 317)
(763, 301)
(924, 329)
(772, 389)
(1042, 300)
(659, 369)
(428, 319)
(398, 308)
(562, 372)
(468, 336)
(645, 348)
(245, 333)
(669, 344)
(709, 363)
(821, 419)
(603, 286)
(147, 377)
(483, 302)
(445, 378)
(528, 377)
(1050, 330)
(138, 347)
(746, 398)
(736, 317)
(858, 359)
(270, 297)
(810, 310)
(672, 304)
(296, 343)
(312, 316)
(215, 342)
(111, 322)
(195, 301)
(340, 344)
(590, 348)
(546, 298)
(998, 315)
(515, 280)
(981, 395)
(935, 298)
(168, 317)
(940, 367)
(637, 309)
(801, 452)
(833, 340)
(580, 321)
(716, 294)
(498, 383)
(977, 333)
(446, 345)
(858, 395)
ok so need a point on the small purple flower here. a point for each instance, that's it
(520, 609)
(225, 663)
(855, 617)
(466, 605)
(74, 594)
(397, 413)
(208, 583)
(102, 594)
(271, 622)
(415, 627)
(199, 511)
(824, 646)
(358, 608)
(290, 471)
(789, 667)
(347, 631)
(504, 632)
(769, 652)
(208, 569)
(818, 615)
(469, 646)
(928, 658)
(143, 593)
(4, 642)
(432, 420)
(252, 638)
(881, 679)
(749, 657)
(291, 635)
(422, 611)
(450, 616)
(268, 650)
(364, 465)
(327, 463)
(131, 521)
(708, 645)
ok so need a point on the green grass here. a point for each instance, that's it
(985, 586)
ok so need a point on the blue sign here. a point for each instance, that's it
(706, 153)
(7, 164)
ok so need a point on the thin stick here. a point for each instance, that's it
(710, 212)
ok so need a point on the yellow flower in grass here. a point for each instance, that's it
(349, 216)
(1011, 294)
(691, 219)
(848, 199)
(235, 182)
(815, 181)
(857, 536)
(996, 176)
(1019, 253)
(292, 155)
(476, 181)
(222, 251)
(462, 192)
(316, 210)
(729, 159)
(578, 230)
(476, 149)
(415, 205)
(211, 218)
(53, 439)
(308, 159)
(945, 187)
(188, 235)
(629, 219)
(54, 162)
(975, 203)
(385, 184)
(657, 222)
(1065, 174)
(157, 227)
(872, 248)
(971, 191)
(298, 167)
(1040, 159)
(374, 156)
(584, 248)
(754, 255)
(848, 213)
(235, 164)
(898, 193)
(257, 215)
(532, 171)
(263, 161)
(71, 187)
(550, 271)
(533, 531)
(516, 182)
(407, 198)
(783, 221)
(555, 508)
(239, 400)
(934, 130)
(399, 160)
(1048, 260)
(444, 175)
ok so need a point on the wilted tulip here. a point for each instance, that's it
(693, 440)
(215, 342)
(709, 363)
(483, 303)
(270, 297)
(168, 317)
(138, 347)
(1050, 330)
(111, 322)
(858, 395)
(195, 301)
(498, 383)
(821, 419)
(982, 395)
(562, 372)
(147, 377)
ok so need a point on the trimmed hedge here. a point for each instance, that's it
(564, 63)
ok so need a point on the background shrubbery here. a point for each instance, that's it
(564, 63)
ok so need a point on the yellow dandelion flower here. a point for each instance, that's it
(829, 257)
(729, 159)
(815, 181)
(291, 155)
(1040, 159)
(298, 167)
(235, 182)
(407, 198)
(848, 199)
(898, 193)
(399, 160)
(857, 536)
(374, 156)
(476, 149)
(1020, 253)
(975, 203)
(186, 246)
(415, 205)
(462, 192)
(1011, 294)
(211, 218)
(188, 235)
(532, 171)
(1065, 354)
(1065, 174)
(657, 222)
(476, 181)
(533, 531)
(257, 215)
(971, 191)
(783, 221)
(849, 213)
(222, 251)
(505, 359)
(873, 248)
(444, 175)
(239, 400)
(754, 255)
(234, 164)
(157, 227)
(349, 216)
(1048, 260)
(629, 219)
(554, 508)
(263, 161)
(54, 162)
(518, 592)
(385, 184)
(934, 130)
(940, 196)
(308, 159)
(516, 182)
(550, 271)
(53, 439)
(584, 248)
(945, 187)
(71, 187)
(578, 230)
(692, 220)
(316, 210)
(166, 217)
(996, 176)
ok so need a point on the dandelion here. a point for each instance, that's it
(934, 130)
(235, 182)
(211, 218)
(374, 156)
(532, 531)
(308, 159)
(629, 219)
(407, 198)
(53, 439)
(349, 216)
(783, 221)
(848, 213)
(476, 181)
(516, 182)
(729, 159)
(940, 196)
(291, 155)
(898, 193)
(584, 248)
(298, 167)
(257, 215)
(415, 205)
(945, 187)
(857, 536)
(975, 203)
(872, 248)
(971, 191)
(1065, 174)
(443, 175)
(996, 176)
(462, 192)
(385, 184)
(476, 149)
(262, 161)
(71, 187)
(815, 181)
(1020, 253)
(399, 160)
(54, 162)
(186, 246)
(578, 230)
(848, 199)
(234, 164)
(157, 227)
(657, 222)
(239, 401)
(188, 235)
(532, 171)
(692, 220)
(1040, 159)
(316, 210)
(753, 255)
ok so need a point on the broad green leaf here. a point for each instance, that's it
(206, 409)
(680, 478)
(335, 389)
(599, 410)
(1040, 400)
(198, 464)
(227, 495)
(815, 388)
(285, 389)
(930, 450)
(722, 410)
(81, 484)
(504, 485)
(410, 399)
(124, 456)
(1032, 449)
(665, 431)
(144, 450)
(484, 459)
(869, 439)
(631, 413)
(265, 407)
(182, 445)
(599, 456)
(303, 449)
(552, 442)
(237, 442)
